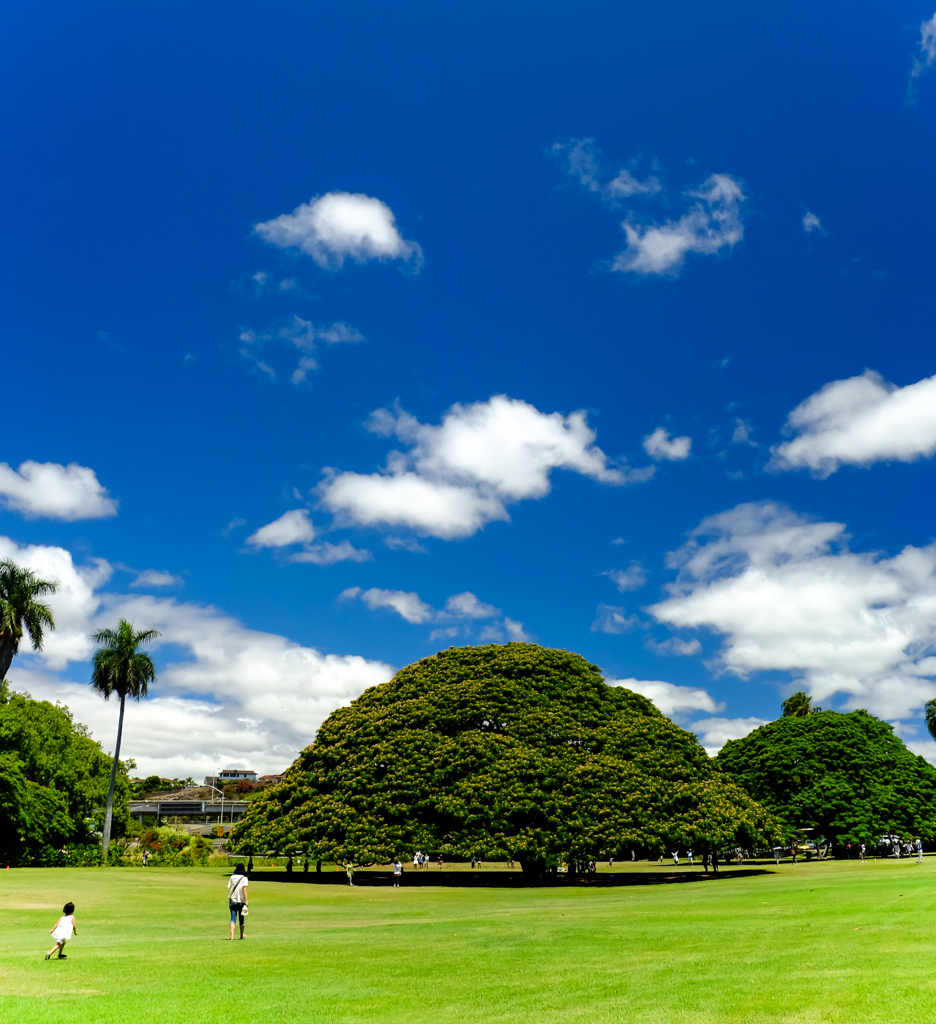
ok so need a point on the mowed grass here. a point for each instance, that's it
(807, 942)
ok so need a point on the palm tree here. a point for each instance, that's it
(118, 667)
(799, 706)
(930, 711)
(20, 611)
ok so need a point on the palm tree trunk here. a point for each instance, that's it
(6, 658)
(109, 813)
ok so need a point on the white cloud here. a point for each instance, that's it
(234, 692)
(788, 595)
(48, 490)
(516, 632)
(858, 421)
(812, 223)
(742, 433)
(675, 645)
(407, 604)
(712, 223)
(631, 578)
(669, 698)
(581, 159)
(303, 336)
(461, 475)
(328, 554)
(714, 733)
(613, 619)
(292, 527)
(339, 226)
(467, 606)
(157, 578)
(659, 445)
(926, 56)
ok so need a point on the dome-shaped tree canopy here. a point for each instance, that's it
(506, 751)
(845, 776)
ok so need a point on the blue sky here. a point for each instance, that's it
(607, 326)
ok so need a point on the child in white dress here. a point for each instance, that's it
(64, 929)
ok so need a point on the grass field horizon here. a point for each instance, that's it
(811, 942)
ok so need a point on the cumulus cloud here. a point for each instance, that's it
(631, 578)
(713, 222)
(340, 226)
(224, 692)
(675, 645)
(812, 223)
(859, 421)
(458, 476)
(467, 606)
(156, 578)
(787, 594)
(659, 445)
(47, 490)
(613, 619)
(582, 160)
(407, 604)
(669, 698)
(293, 527)
(303, 335)
(714, 733)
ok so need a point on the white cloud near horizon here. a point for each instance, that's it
(859, 421)
(224, 692)
(339, 226)
(788, 595)
(459, 476)
(712, 223)
(47, 490)
(714, 733)
(659, 446)
(669, 698)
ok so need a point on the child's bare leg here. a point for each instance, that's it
(53, 949)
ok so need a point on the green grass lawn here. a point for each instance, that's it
(807, 942)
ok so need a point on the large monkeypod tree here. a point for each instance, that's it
(845, 777)
(505, 751)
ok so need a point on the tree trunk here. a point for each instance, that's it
(109, 813)
(6, 658)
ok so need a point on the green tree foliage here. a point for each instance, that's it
(120, 667)
(507, 751)
(847, 776)
(20, 612)
(799, 706)
(173, 847)
(53, 782)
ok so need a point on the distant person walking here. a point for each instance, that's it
(861, 853)
(397, 872)
(349, 871)
(689, 857)
(237, 898)
(676, 857)
(919, 850)
(714, 862)
(62, 931)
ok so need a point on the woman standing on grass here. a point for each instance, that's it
(237, 898)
